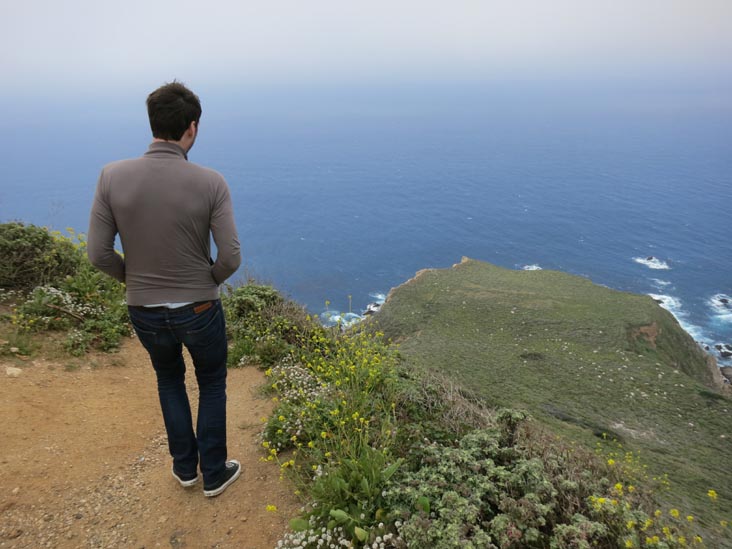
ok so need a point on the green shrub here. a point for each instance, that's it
(62, 290)
(262, 325)
(32, 256)
(243, 301)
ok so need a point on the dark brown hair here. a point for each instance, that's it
(171, 109)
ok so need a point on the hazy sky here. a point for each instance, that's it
(100, 44)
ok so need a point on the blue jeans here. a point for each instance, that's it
(201, 328)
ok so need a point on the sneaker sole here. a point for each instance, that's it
(216, 491)
(186, 483)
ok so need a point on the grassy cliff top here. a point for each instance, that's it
(582, 358)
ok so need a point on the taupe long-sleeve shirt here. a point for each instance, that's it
(164, 209)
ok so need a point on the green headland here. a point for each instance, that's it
(589, 362)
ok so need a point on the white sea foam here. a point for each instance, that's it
(533, 267)
(668, 302)
(652, 262)
(674, 306)
(660, 283)
(721, 305)
(378, 297)
(334, 318)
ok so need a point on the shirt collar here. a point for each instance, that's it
(165, 149)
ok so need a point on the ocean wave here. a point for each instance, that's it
(668, 302)
(533, 267)
(660, 283)
(652, 262)
(336, 318)
(378, 297)
(721, 305)
(674, 306)
(331, 317)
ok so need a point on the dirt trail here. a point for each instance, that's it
(84, 463)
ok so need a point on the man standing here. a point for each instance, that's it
(164, 209)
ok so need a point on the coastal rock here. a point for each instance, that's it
(372, 308)
(724, 349)
(724, 301)
(727, 372)
(11, 371)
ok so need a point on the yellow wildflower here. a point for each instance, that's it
(674, 513)
(611, 461)
(690, 518)
(712, 495)
(272, 508)
(629, 543)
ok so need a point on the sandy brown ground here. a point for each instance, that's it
(84, 462)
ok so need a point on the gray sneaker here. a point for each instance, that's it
(185, 481)
(231, 472)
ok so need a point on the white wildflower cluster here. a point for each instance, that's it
(320, 537)
(315, 537)
(76, 341)
(386, 541)
(245, 360)
(295, 383)
(318, 472)
(50, 294)
(9, 295)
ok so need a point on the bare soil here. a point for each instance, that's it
(84, 462)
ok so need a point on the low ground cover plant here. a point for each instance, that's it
(48, 285)
(387, 457)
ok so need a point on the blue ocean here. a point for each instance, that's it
(337, 206)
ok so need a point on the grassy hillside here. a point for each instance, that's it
(583, 359)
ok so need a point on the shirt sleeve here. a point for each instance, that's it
(102, 232)
(224, 233)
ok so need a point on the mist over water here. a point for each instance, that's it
(633, 195)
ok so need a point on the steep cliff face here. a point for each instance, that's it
(581, 357)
